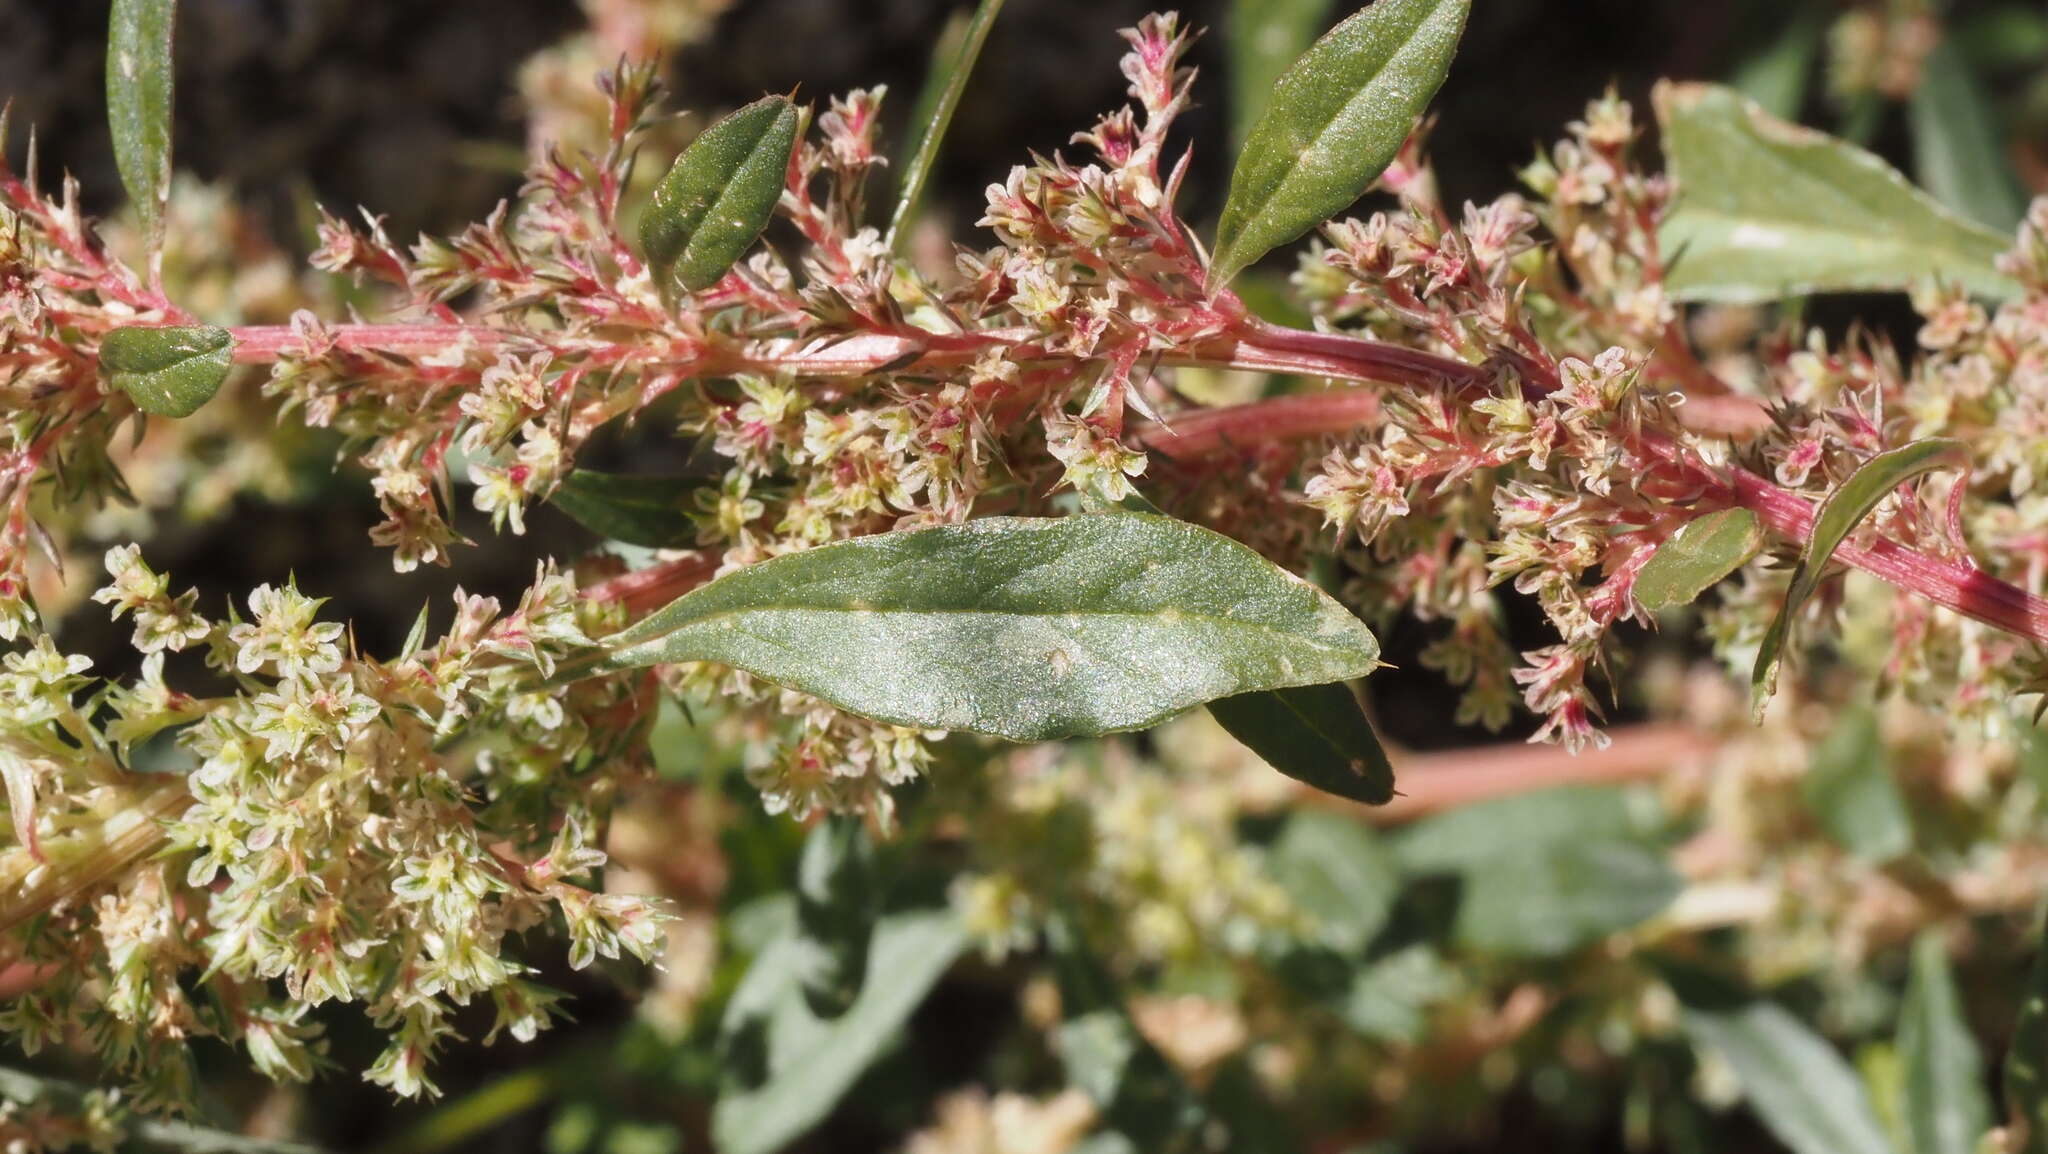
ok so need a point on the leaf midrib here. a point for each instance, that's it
(979, 720)
(1156, 615)
(1328, 739)
(725, 187)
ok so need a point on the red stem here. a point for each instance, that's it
(852, 356)
(1208, 432)
(264, 344)
(1954, 585)
(1275, 348)
(1964, 588)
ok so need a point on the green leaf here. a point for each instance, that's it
(168, 372)
(1028, 629)
(1850, 790)
(1141, 1097)
(1265, 37)
(1946, 1108)
(1767, 210)
(1316, 734)
(809, 1064)
(1698, 556)
(952, 63)
(1337, 118)
(139, 105)
(1957, 152)
(2026, 1064)
(718, 196)
(1801, 1088)
(649, 511)
(1544, 819)
(1335, 870)
(1838, 516)
(836, 900)
(1553, 900)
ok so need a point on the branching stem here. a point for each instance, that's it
(1253, 345)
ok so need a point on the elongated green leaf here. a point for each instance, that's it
(1337, 118)
(1850, 790)
(139, 105)
(1767, 210)
(1697, 557)
(1022, 628)
(1336, 871)
(168, 372)
(1947, 1110)
(1550, 901)
(650, 511)
(952, 64)
(1957, 153)
(1839, 515)
(1265, 37)
(807, 1064)
(718, 196)
(836, 901)
(2026, 1064)
(1862, 491)
(1317, 735)
(1800, 1087)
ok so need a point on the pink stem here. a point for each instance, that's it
(1207, 432)
(264, 344)
(853, 356)
(1274, 348)
(1964, 588)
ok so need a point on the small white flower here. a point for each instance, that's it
(285, 634)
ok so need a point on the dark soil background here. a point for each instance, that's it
(373, 102)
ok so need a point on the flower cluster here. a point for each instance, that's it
(1592, 427)
(1146, 860)
(349, 829)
